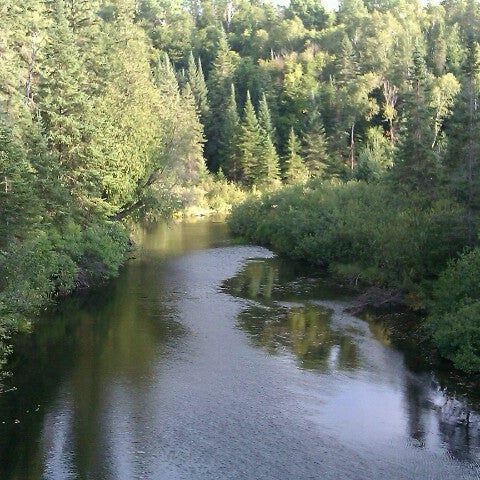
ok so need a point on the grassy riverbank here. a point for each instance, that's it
(367, 235)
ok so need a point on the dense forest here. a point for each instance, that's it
(113, 111)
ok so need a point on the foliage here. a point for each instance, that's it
(454, 318)
(356, 224)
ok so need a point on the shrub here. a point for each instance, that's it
(454, 319)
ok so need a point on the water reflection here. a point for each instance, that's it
(306, 331)
(110, 338)
(285, 316)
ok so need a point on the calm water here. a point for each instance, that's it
(207, 360)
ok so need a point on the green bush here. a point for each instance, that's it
(387, 238)
(454, 319)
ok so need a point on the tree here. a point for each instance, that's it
(230, 138)
(463, 146)
(269, 163)
(417, 167)
(219, 87)
(196, 80)
(352, 96)
(265, 119)
(20, 208)
(294, 168)
(315, 151)
(249, 143)
(64, 105)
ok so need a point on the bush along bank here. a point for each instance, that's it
(52, 262)
(371, 236)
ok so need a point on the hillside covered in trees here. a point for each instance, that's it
(112, 110)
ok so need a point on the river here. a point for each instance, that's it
(206, 360)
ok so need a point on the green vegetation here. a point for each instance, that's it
(358, 229)
(117, 110)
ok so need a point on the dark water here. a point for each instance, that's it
(206, 360)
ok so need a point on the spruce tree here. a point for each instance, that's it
(417, 167)
(315, 151)
(229, 139)
(249, 144)
(20, 208)
(265, 119)
(219, 85)
(269, 164)
(269, 167)
(196, 80)
(294, 169)
(464, 148)
(62, 101)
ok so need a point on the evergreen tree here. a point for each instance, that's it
(219, 85)
(189, 137)
(63, 103)
(294, 168)
(265, 119)
(464, 148)
(229, 140)
(249, 144)
(20, 208)
(315, 151)
(269, 163)
(198, 87)
(417, 167)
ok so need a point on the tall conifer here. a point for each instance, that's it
(295, 170)
(250, 143)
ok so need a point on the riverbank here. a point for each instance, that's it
(405, 250)
(68, 256)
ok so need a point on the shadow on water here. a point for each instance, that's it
(289, 313)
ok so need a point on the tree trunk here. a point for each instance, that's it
(352, 147)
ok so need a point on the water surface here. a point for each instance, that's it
(209, 360)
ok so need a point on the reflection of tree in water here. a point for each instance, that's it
(305, 330)
(458, 424)
(256, 281)
(108, 338)
(460, 429)
(277, 279)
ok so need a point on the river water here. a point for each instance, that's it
(210, 360)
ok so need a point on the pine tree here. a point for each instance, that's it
(189, 141)
(269, 164)
(269, 167)
(20, 208)
(417, 167)
(464, 149)
(62, 102)
(265, 119)
(315, 151)
(294, 168)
